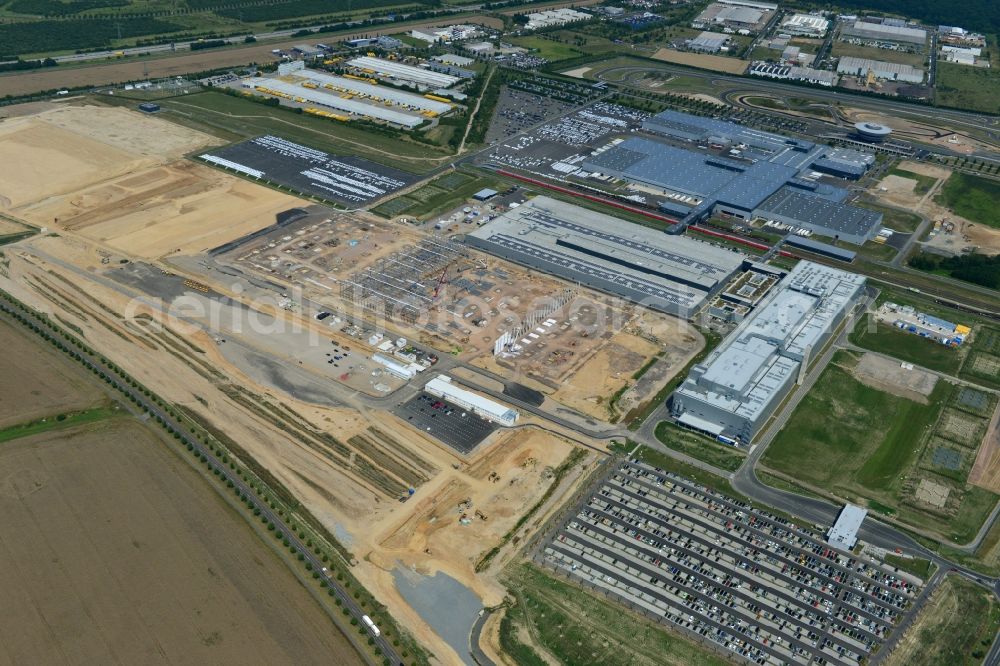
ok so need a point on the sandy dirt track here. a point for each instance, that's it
(702, 60)
(146, 211)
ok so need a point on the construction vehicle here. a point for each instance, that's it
(197, 286)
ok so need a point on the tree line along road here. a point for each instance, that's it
(150, 404)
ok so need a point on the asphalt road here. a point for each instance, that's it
(970, 120)
(156, 49)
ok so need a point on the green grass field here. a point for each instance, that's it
(905, 346)
(234, 119)
(57, 422)
(914, 565)
(978, 365)
(974, 198)
(698, 446)
(583, 628)
(924, 183)
(547, 48)
(776, 481)
(897, 220)
(964, 87)
(53, 26)
(439, 196)
(866, 445)
(848, 436)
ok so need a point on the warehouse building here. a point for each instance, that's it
(738, 17)
(404, 371)
(453, 59)
(844, 163)
(736, 182)
(883, 32)
(442, 387)
(794, 73)
(762, 6)
(721, 132)
(673, 274)
(553, 17)
(844, 533)
(307, 51)
(377, 93)
(818, 247)
(715, 183)
(708, 42)
(885, 71)
(735, 15)
(820, 215)
(734, 391)
(382, 41)
(805, 25)
(352, 107)
(406, 74)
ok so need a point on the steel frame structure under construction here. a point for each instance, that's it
(404, 284)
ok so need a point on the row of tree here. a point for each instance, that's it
(980, 269)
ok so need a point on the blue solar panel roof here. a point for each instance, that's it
(740, 184)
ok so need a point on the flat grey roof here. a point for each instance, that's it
(582, 242)
(821, 248)
(763, 353)
(844, 533)
(839, 218)
(670, 121)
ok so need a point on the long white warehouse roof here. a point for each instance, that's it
(484, 406)
(339, 103)
(378, 92)
(398, 70)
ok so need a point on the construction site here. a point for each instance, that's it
(275, 391)
(573, 344)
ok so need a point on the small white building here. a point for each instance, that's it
(807, 25)
(551, 17)
(404, 371)
(844, 533)
(490, 410)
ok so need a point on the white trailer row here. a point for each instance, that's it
(374, 92)
(344, 105)
(408, 73)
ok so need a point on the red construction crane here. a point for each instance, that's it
(442, 280)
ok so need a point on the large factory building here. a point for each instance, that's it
(673, 274)
(739, 171)
(734, 391)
